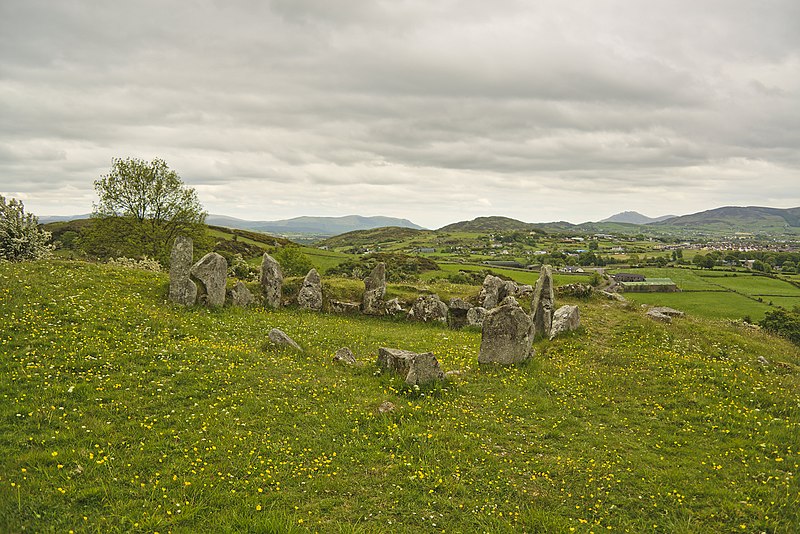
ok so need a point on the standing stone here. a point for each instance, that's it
(310, 295)
(565, 318)
(181, 288)
(544, 300)
(241, 296)
(211, 273)
(506, 335)
(492, 292)
(336, 306)
(344, 355)
(271, 281)
(374, 291)
(475, 316)
(457, 313)
(280, 338)
(416, 368)
(429, 308)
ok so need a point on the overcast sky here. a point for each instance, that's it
(435, 111)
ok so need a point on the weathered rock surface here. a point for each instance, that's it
(543, 303)
(181, 288)
(457, 311)
(271, 281)
(310, 294)
(613, 296)
(393, 307)
(344, 355)
(417, 369)
(336, 306)
(386, 407)
(374, 291)
(210, 275)
(658, 316)
(475, 316)
(280, 338)
(672, 312)
(239, 295)
(428, 308)
(581, 291)
(565, 319)
(492, 292)
(506, 335)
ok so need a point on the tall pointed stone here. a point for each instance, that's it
(271, 281)
(211, 275)
(374, 291)
(544, 303)
(181, 288)
(310, 295)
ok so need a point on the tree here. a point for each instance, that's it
(143, 207)
(293, 261)
(783, 323)
(20, 235)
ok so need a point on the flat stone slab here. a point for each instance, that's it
(416, 368)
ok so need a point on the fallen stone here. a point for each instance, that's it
(182, 290)
(344, 355)
(668, 311)
(280, 338)
(455, 373)
(393, 307)
(240, 296)
(336, 306)
(429, 308)
(417, 369)
(457, 311)
(543, 303)
(506, 335)
(763, 361)
(475, 316)
(271, 281)
(210, 275)
(565, 319)
(310, 294)
(374, 291)
(658, 316)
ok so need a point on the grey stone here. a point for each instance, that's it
(492, 292)
(658, 316)
(393, 307)
(416, 369)
(241, 296)
(521, 291)
(581, 291)
(344, 355)
(374, 291)
(543, 303)
(763, 361)
(210, 275)
(475, 316)
(271, 281)
(336, 306)
(429, 308)
(310, 294)
(457, 311)
(613, 296)
(506, 336)
(565, 319)
(386, 407)
(280, 338)
(182, 290)
(668, 311)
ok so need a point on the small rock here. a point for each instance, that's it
(280, 338)
(415, 368)
(658, 316)
(336, 306)
(386, 407)
(668, 311)
(455, 373)
(565, 319)
(344, 355)
(393, 307)
(763, 361)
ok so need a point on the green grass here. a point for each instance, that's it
(519, 276)
(708, 304)
(123, 413)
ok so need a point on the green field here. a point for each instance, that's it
(123, 413)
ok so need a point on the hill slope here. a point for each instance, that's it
(490, 224)
(312, 225)
(743, 219)
(633, 217)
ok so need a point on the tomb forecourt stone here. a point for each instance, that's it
(565, 319)
(211, 274)
(506, 335)
(543, 303)
(181, 288)
(417, 369)
(241, 296)
(310, 294)
(374, 291)
(271, 281)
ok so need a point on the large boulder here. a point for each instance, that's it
(475, 316)
(211, 275)
(565, 319)
(543, 303)
(271, 281)
(374, 291)
(429, 308)
(181, 288)
(457, 311)
(239, 295)
(416, 369)
(310, 295)
(506, 335)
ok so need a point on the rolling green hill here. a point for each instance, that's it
(750, 219)
(491, 224)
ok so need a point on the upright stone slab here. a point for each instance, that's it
(492, 292)
(310, 294)
(506, 335)
(211, 274)
(457, 311)
(475, 316)
(429, 308)
(416, 368)
(240, 296)
(565, 319)
(544, 301)
(271, 281)
(181, 288)
(374, 291)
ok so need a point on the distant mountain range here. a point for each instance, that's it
(320, 226)
(634, 217)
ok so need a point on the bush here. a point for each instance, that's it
(20, 235)
(293, 261)
(783, 323)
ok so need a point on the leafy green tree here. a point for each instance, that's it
(143, 206)
(20, 235)
(783, 323)
(293, 261)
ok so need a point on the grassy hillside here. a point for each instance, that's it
(490, 224)
(122, 413)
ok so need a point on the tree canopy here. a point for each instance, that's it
(20, 235)
(143, 206)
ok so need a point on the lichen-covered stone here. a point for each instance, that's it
(344, 355)
(310, 294)
(374, 291)
(475, 316)
(565, 319)
(428, 308)
(181, 288)
(457, 310)
(415, 368)
(210, 275)
(506, 335)
(271, 281)
(240, 296)
(543, 305)
(280, 338)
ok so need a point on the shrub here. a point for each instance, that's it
(783, 323)
(20, 235)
